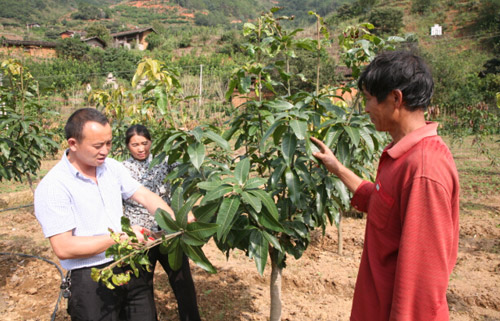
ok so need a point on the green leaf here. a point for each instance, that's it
(288, 146)
(210, 185)
(273, 240)
(201, 230)
(175, 254)
(165, 221)
(196, 152)
(258, 250)
(241, 171)
(217, 139)
(192, 239)
(217, 193)
(276, 175)
(343, 152)
(252, 201)
(353, 133)
(269, 132)
(279, 104)
(177, 200)
(299, 128)
(244, 84)
(227, 212)
(365, 134)
(292, 182)
(206, 212)
(269, 218)
(254, 182)
(198, 257)
(182, 215)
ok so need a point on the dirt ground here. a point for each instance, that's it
(319, 286)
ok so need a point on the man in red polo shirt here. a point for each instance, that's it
(411, 237)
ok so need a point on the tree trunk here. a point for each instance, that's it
(340, 239)
(275, 290)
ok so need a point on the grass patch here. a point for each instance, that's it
(478, 178)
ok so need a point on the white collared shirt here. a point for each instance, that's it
(66, 200)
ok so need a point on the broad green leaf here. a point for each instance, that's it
(175, 255)
(343, 151)
(278, 133)
(269, 132)
(258, 250)
(276, 175)
(299, 128)
(244, 84)
(241, 170)
(210, 185)
(279, 104)
(198, 133)
(254, 182)
(196, 254)
(165, 221)
(293, 184)
(267, 201)
(201, 230)
(196, 152)
(252, 201)
(332, 136)
(269, 216)
(353, 133)
(192, 240)
(217, 193)
(217, 139)
(177, 200)
(288, 147)
(182, 215)
(205, 213)
(227, 212)
(273, 240)
(368, 139)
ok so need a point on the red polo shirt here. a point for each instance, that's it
(411, 236)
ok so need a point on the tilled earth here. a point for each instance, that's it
(319, 286)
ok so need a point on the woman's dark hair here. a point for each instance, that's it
(75, 123)
(401, 70)
(139, 130)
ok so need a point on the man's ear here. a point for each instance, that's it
(72, 142)
(397, 96)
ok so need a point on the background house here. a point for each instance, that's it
(132, 39)
(95, 42)
(44, 49)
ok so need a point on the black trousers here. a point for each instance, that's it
(182, 284)
(93, 301)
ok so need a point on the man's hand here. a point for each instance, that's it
(141, 233)
(332, 164)
(325, 155)
(191, 217)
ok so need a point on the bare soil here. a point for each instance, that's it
(319, 286)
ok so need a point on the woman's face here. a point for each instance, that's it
(139, 146)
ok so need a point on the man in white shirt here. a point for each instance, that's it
(76, 203)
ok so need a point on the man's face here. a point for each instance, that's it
(381, 113)
(93, 148)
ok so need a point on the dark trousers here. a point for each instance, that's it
(93, 301)
(182, 284)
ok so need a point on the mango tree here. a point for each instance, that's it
(265, 194)
(25, 134)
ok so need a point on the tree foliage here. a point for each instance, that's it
(25, 138)
(386, 20)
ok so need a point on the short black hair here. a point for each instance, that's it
(139, 130)
(75, 123)
(401, 70)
